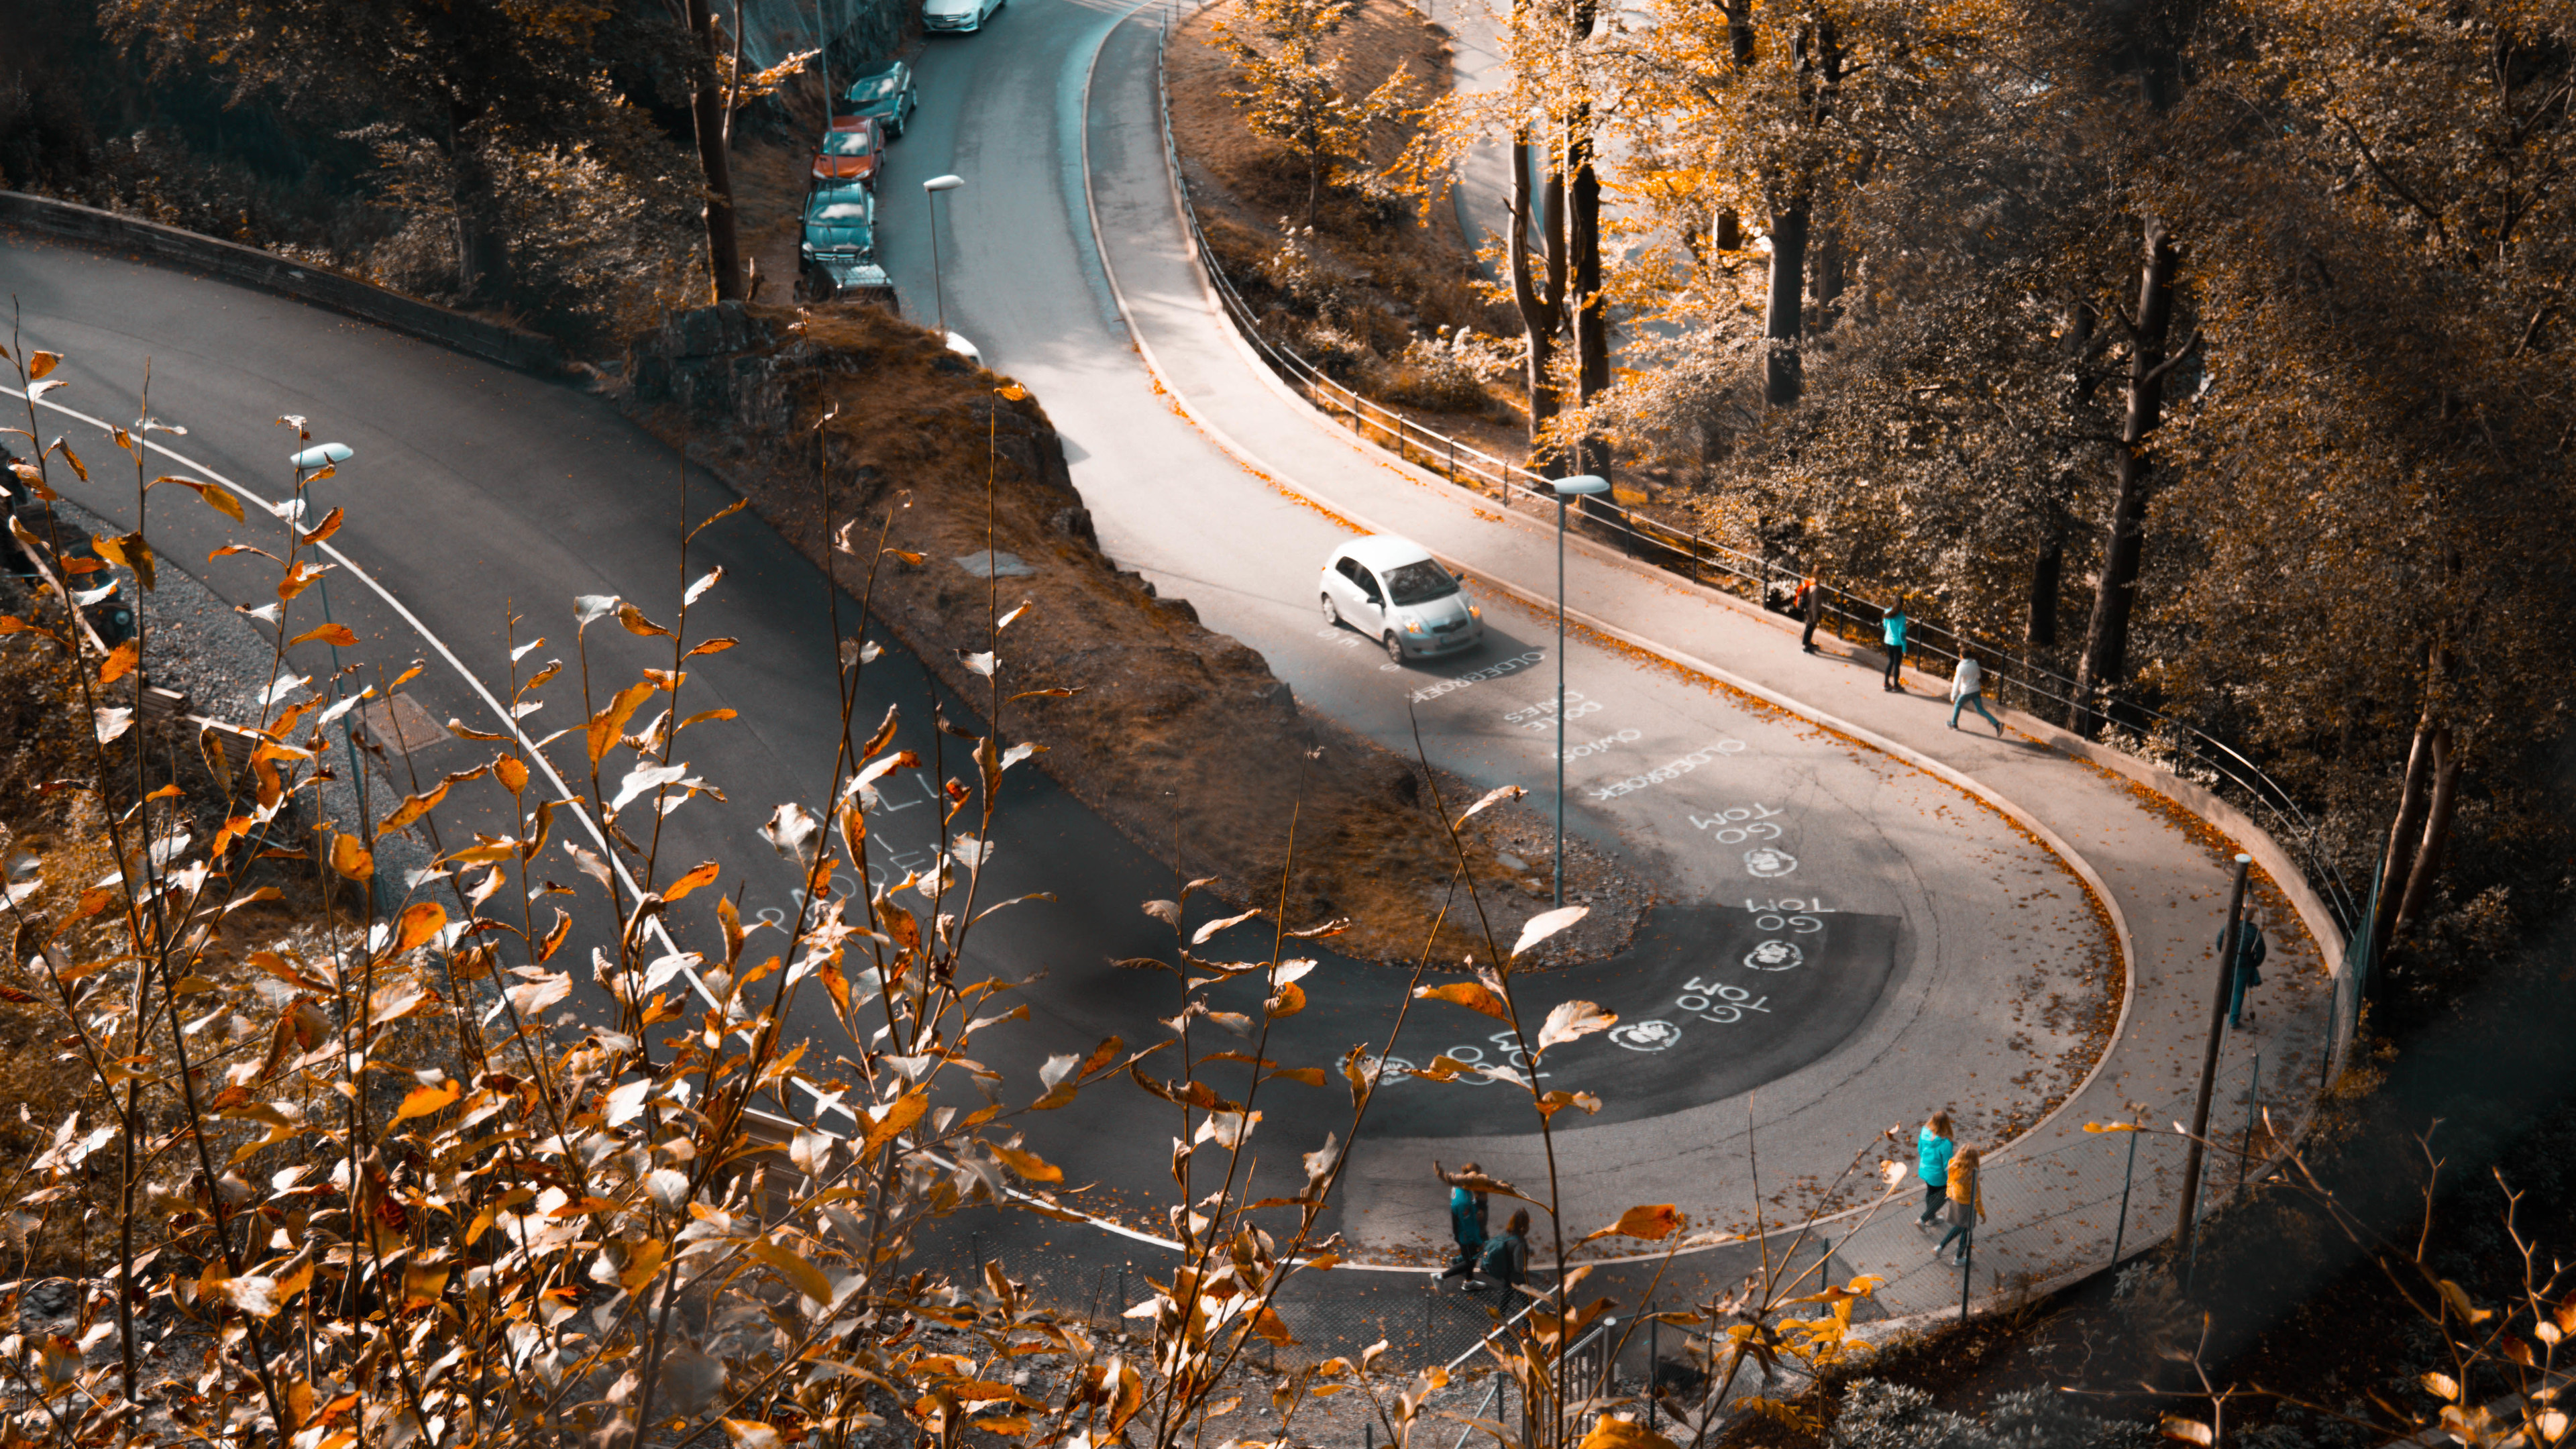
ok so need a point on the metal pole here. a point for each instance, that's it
(1968, 1270)
(1654, 1367)
(2186, 1219)
(938, 289)
(2120, 1233)
(2253, 1094)
(1560, 699)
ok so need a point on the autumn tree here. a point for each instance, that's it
(454, 77)
(2380, 464)
(1293, 90)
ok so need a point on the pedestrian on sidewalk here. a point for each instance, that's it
(1932, 1149)
(1968, 687)
(2246, 970)
(1506, 1259)
(1466, 1220)
(1967, 1204)
(1808, 603)
(1892, 633)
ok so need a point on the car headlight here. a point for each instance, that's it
(1413, 626)
(805, 250)
(1474, 613)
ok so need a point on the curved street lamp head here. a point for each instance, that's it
(321, 453)
(943, 183)
(1582, 485)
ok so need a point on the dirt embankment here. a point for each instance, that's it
(1384, 294)
(1179, 735)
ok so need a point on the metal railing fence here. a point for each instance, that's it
(2013, 677)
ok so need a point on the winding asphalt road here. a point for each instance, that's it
(1839, 930)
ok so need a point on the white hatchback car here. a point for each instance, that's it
(1393, 591)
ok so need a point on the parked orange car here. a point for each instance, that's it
(850, 151)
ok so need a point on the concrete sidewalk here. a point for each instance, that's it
(2055, 1193)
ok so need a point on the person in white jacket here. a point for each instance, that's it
(1968, 687)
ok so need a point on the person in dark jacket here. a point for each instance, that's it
(1932, 1148)
(2246, 970)
(1506, 1259)
(1809, 604)
(1466, 1221)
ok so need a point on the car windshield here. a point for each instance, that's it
(875, 87)
(852, 142)
(1420, 582)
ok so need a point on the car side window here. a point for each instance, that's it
(1349, 569)
(1368, 584)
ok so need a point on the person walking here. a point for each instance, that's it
(1809, 604)
(1466, 1220)
(1932, 1149)
(1967, 1204)
(2246, 970)
(1968, 687)
(1506, 1259)
(1892, 634)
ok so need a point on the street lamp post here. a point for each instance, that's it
(1582, 486)
(938, 291)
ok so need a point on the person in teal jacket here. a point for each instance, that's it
(1892, 633)
(1932, 1148)
(1466, 1222)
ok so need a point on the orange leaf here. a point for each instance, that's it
(1028, 1164)
(1651, 1223)
(421, 1101)
(329, 634)
(702, 875)
(1469, 995)
(352, 859)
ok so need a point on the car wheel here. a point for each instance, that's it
(1332, 615)
(1394, 647)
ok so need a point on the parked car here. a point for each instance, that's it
(1394, 591)
(885, 94)
(838, 253)
(94, 585)
(850, 151)
(957, 15)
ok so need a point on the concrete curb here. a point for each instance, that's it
(172, 247)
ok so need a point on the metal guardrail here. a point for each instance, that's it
(2190, 750)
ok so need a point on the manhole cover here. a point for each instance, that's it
(400, 724)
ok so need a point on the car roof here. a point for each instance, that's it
(854, 123)
(1384, 551)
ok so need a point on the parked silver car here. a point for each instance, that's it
(1395, 592)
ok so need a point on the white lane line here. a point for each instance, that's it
(351, 566)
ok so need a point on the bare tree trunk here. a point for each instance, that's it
(1539, 298)
(2445, 771)
(2047, 576)
(2106, 638)
(2405, 838)
(1591, 310)
(1784, 321)
(707, 113)
(1825, 279)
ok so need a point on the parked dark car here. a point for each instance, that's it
(885, 94)
(838, 253)
(110, 612)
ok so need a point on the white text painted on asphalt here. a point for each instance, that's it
(1513, 665)
(1672, 769)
